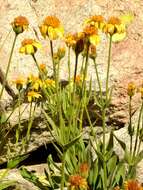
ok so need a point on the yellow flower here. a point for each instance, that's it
(131, 89)
(29, 46)
(132, 185)
(76, 181)
(114, 26)
(20, 81)
(70, 40)
(52, 28)
(35, 82)
(96, 20)
(91, 34)
(49, 83)
(20, 24)
(32, 95)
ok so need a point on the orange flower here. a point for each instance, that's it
(84, 169)
(20, 81)
(114, 26)
(132, 185)
(42, 67)
(20, 24)
(91, 34)
(29, 46)
(76, 181)
(52, 21)
(52, 28)
(96, 20)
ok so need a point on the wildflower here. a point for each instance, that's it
(20, 24)
(78, 79)
(84, 169)
(20, 81)
(32, 95)
(131, 89)
(52, 28)
(43, 69)
(77, 182)
(114, 26)
(49, 83)
(35, 82)
(96, 21)
(29, 46)
(132, 185)
(91, 35)
(70, 40)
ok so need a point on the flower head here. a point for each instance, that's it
(42, 67)
(91, 34)
(35, 82)
(20, 81)
(96, 20)
(77, 182)
(29, 46)
(49, 83)
(84, 169)
(114, 26)
(32, 95)
(20, 24)
(132, 185)
(52, 28)
(131, 89)
(70, 40)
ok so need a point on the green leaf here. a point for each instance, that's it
(71, 143)
(32, 178)
(3, 118)
(111, 142)
(111, 165)
(4, 185)
(15, 161)
(122, 144)
(138, 158)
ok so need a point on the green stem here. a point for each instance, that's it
(69, 66)
(104, 147)
(82, 66)
(8, 66)
(31, 117)
(130, 125)
(98, 79)
(137, 132)
(63, 171)
(19, 118)
(108, 67)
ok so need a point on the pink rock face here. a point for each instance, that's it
(127, 56)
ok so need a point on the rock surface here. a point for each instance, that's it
(127, 55)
